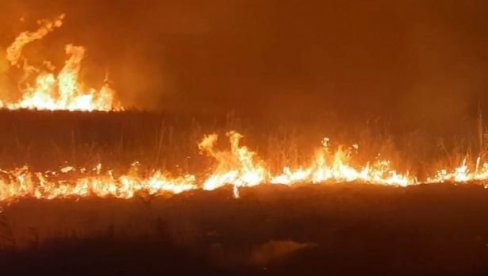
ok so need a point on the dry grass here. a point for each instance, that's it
(353, 228)
(47, 140)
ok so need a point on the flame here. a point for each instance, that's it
(337, 168)
(21, 183)
(45, 89)
(462, 173)
(47, 26)
(238, 166)
(51, 91)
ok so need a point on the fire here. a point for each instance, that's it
(236, 166)
(463, 173)
(47, 26)
(44, 89)
(336, 167)
(239, 167)
(21, 183)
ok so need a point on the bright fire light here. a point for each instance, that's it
(238, 167)
(42, 88)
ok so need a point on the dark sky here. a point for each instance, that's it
(419, 62)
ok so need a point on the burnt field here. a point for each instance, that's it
(321, 229)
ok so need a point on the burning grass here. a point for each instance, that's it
(219, 164)
(335, 228)
(42, 88)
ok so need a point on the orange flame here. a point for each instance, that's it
(340, 170)
(47, 26)
(21, 183)
(238, 167)
(463, 173)
(61, 91)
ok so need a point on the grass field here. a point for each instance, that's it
(48, 140)
(336, 229)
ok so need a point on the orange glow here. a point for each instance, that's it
(21, 183)
(336, 167)
(463, 173)
(44, 89)
(239, 167)
(236, 166)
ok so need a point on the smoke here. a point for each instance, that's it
(5, 85)
(417, 64)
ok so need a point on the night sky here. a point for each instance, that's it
(415, 63)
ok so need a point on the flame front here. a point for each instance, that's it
(21, 183)
(463, 173)
(43, 89)
(238, 167)
(339, 170)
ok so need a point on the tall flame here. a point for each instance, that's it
(15, 50)
(236, 166)
(51, 91)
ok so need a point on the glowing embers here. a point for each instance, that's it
(43, 88)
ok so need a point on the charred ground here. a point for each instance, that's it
(331, 229)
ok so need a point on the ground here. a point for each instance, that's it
(333, 229)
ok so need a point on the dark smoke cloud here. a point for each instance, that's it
(417, 63)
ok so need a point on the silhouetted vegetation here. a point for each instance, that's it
(331, 229)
